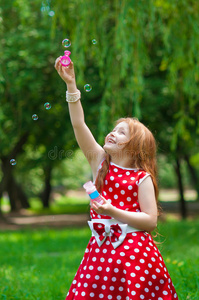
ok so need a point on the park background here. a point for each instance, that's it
(141, 59)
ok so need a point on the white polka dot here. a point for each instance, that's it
(133, 274)
(152, 294)
(126, 247)
(142, 278)
(121, 203)
(127, 264)
(110, 297)
(119, 261)
(104, 250)
(146, 290)
(110, 189)
(157, 270)
(117, 185)
(103, 287)
(94, 259)
(150, 283)
(85, 284)
(115, 196)
(102, 259)
(101, 295)
(115, 170)
(142, 238)
(124, 181)
(132, 178)
(73, 290)
(88, 276)
(122, 253)
(148, 249)
(111, 288)
(110, 260)
(160, 298)
(122, 192)
(74, 281)
(123, 279)
(113, 252)
(121, 288)
(124, 271)
(161, 281)
(136, 250)
(99, 268)
(133, 293)
(97, 277)
(130, 241)
(116, 270)
(146, 272)
(137, 285)
(91, 267)
(113, 279)
(105, 277)
(112, 178)
(140, 244)
(134, 234)
(108, 242)
(94, 286)
(142, 297)
(130, 187)
(119, 297)
(157, 288)
(153, 259)
(106, 182)
(137, 268)
(120, 175)
(145, 254)
(92, 294)
(154, 276)
(135, 194)
(107, 270)
(165, 293)
(128, 173)
(142, 261)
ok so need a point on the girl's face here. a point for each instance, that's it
(115, 139)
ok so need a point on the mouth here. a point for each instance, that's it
(111, 141)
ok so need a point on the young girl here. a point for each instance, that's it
(121, 261)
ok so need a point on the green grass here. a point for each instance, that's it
(40, 264)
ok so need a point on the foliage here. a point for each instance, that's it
(51, 257)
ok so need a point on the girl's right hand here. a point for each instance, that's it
(66, 73)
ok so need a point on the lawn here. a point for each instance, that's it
(40, 264)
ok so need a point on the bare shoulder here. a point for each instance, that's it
(146, 196)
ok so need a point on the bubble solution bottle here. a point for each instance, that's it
(65, 60)
(92, 192)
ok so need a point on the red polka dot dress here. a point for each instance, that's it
(133, 270)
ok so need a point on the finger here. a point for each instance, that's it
(57, 62)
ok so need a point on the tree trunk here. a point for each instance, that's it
(47, 189)
(194, 176)
(181, 189)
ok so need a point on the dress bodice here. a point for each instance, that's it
(121, 189)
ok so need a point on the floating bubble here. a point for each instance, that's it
(51, 13)
(47, 105)
(66, 43)
(88, 87)
(94, 42)
(35, 117)
(13, 162)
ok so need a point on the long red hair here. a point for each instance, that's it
(142, 147)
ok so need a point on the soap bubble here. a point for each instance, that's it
(51, 13)
(47, 105)
(94, 42)
(13, 162)
(88, 87)
(35, 117)
(66, 43)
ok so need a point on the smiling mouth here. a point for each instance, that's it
(111, 141)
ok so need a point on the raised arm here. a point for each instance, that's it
(91, 149)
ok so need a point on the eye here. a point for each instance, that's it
(122, 132)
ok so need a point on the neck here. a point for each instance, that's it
(124, 162)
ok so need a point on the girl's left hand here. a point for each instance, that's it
(102, 209)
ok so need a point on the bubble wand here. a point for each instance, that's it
(65, 59)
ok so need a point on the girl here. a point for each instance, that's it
(121, 261)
